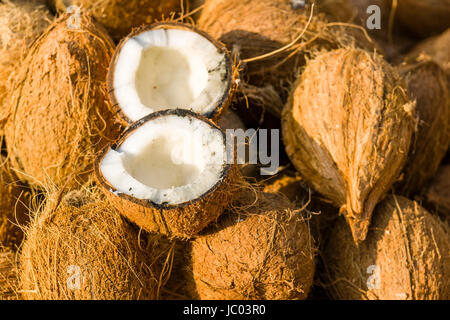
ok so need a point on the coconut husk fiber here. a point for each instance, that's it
(21, 22)
(80, 236)
(424, 17)
(253, 28)
(8, 275)
(409, 247)
(14, 203)
(428, 86)
(60, 115)
(119, 17)
(261, 250)
(347, 129)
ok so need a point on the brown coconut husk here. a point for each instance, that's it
(21, 22)
(428, 86)
(8, 275)
(81, 234)
(119, 17)
(408, 245)
(14, 202)
(261, 250)
(437, 192)
(424, 17)
(436, 48)
(339, 127)
(59, 116)
(183, 220)
(254, 28)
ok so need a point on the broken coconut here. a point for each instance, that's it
(119, 17)
(59, 116)
(21, 22)
(14, 202)
(169, 66)
(347, 128)
(406, 255)
(261, 250)
(428, 86)
(95, 254)
(169, 173)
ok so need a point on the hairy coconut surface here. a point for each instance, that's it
(14, 202)
(21, 22)
(437, 48)
(8, 276)
(261, 250)
(252, 28)
(427, 84)
(437, 193)
(406, 256)
(79, 247)
(347, 128)
(119, 17)
(424, 17)
(60, 115)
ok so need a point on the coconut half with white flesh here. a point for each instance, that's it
(169, 66)
(169, 173)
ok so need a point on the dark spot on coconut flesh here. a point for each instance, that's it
(130, 189)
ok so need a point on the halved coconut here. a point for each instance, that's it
(169, 66)
(169, 173)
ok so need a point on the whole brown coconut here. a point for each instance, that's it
(94, 254)
(424, 17)
(406, 256)
(261, 250)
(437, 193)
(21, 22)
(119, 17)
(8, 276)
(427, 84)
(14, 202)
(60, 115)
(252, 28)
(347, 128)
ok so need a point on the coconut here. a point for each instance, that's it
(427, 84)
(261, 250)
(405, 256)
(95, 254)
(424, 17)
(21, 22)
(59, 115)
(169, 173)
(119, 17)
(8, 276)
(14, 202)
(169, 66)
(437, 193)
(289, 184)
(437, 48)
(247, 28)
(347, 128)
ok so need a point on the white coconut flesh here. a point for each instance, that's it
(167, 69)
(167, 160)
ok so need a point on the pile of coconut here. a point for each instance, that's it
(120, 170)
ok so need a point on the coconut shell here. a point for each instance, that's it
(119, 17)
(424, 17)
(261, 250)
(247, 29)
(409, 247)
(437, 193)
(60, 115)
(427, 84)
(8, 276)
(14, 202)
(21, 22)
(347, 129)
(95, 254)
